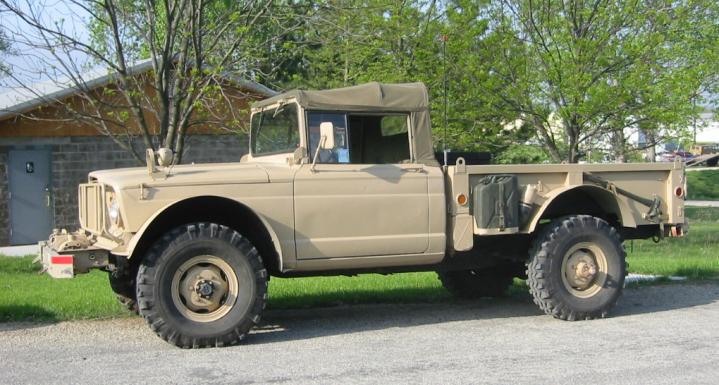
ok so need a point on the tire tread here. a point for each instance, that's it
(154, 259)
(542, 287)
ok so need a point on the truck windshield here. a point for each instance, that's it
(275, 131)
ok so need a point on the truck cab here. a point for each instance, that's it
(367, 190)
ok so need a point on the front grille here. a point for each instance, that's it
(92, 207)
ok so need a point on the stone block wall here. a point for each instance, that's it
(74, 157)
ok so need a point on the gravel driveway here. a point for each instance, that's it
(658, 335)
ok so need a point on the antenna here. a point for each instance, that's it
(443, 39)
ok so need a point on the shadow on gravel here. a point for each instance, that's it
(288, 325)
(32, 317)
(665, 297)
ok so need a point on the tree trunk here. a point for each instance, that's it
(651, 151)
(619, 146)
(573, 139)
(547, 141)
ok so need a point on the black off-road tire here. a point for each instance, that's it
(167, 255)
(544, 270)
(125, 291)
(471, 284)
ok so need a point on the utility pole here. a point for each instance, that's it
(443, 39)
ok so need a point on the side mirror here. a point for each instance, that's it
(327, 136)
(164, 157)
(327, 141)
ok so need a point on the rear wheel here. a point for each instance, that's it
(202, 285)
(476, 283)
(577, 268)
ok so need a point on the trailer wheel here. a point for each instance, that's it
(476, 283)
(577, 268)
(125, 291)
(202, 285)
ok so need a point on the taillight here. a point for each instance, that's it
(461, 199)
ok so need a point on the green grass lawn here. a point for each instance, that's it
(695, 256)
(703, 185)
(25, 295)
(702, 215)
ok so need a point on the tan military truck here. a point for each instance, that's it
(345, 181)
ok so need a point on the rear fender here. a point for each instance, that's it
(606, 200)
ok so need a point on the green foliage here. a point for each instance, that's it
(523, 154)
(703, 185)
(586, 72)
(572, 78)
(394, 125)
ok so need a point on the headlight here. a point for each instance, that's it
(114, 211)
(113, 208)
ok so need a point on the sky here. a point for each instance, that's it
(29, 64)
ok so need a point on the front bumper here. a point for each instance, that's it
(65, 255)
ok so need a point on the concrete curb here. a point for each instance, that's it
(19, 251)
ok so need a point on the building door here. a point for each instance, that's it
(30, 196)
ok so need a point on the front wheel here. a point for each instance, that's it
(202, 285)
(577, 268)
(124, 289)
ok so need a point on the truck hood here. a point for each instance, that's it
(193, 174)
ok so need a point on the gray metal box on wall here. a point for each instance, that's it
(496, 205)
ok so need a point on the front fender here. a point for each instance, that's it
(139, 236)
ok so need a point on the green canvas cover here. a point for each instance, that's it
(411, 98)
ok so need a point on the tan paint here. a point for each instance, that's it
(364, 216)
(553, 180)
(626, 215)
(350, 210)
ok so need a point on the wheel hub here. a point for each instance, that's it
(204, 288)
(584, 269)
(581, 270)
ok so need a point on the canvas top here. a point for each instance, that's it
(403, 97)
(394, 97)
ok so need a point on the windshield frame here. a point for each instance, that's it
(273, 109)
